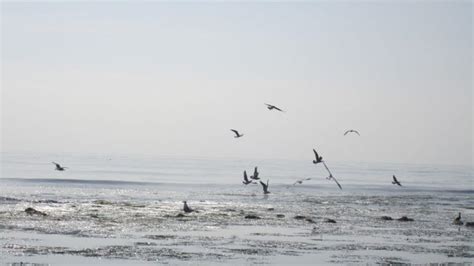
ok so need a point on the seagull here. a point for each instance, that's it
(301, 181)
(457, 220)
(319, 159)
(246, 180)
(237, 134)
(255, 174)
(395, 181)
(271, 107)
(331, 177)
(59, 167)
(352, 130)
(186, 207)
(265, 187)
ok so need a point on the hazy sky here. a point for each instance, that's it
(172, 79)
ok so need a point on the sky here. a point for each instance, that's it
(172, 79)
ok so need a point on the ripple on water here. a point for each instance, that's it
(150, 229)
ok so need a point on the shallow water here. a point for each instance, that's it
(128, 210)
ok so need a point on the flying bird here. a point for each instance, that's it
(300, 181)
(246, 180)
(351, 130)
(265, 187)
(59, 167)
(325, 166)
(237, 134)
(331, 177)
(271, 107)
(186, 207)
(255, 174)
(319, 159)
(395, 181)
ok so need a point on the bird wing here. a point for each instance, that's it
(347, 132)
(330, 174)
(235, 131)
(339, 185)
(395, 179)
(255, 172)
(269, 105)
(57, 165)
(316, 154)
(263, 185)
(355, 131)
(245, 176)
(278, 109)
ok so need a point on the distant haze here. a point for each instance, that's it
(174, 78)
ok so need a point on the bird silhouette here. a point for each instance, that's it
(186, 207)
(271, 107)
(300, 181)
(246, 180)
(237, 134)
(255, 174)
(395, 181)
(457, 220)
(59, 167)
(319, 159)
(351, 130)
(331, 177)
(265, 187)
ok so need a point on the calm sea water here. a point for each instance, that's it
(113, 210)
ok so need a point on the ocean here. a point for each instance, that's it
(128, 210)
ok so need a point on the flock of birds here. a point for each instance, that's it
(255, 177)
(318, 160)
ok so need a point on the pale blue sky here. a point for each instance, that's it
(172, 79)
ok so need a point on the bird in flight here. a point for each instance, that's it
(331, 177)
(265, 187)
(59, 167)
(351, 130)
(395, 181)
(255, 174)
(271, 107)
(319, 159)
(246, 179)
(300, 181)
(237, 134)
